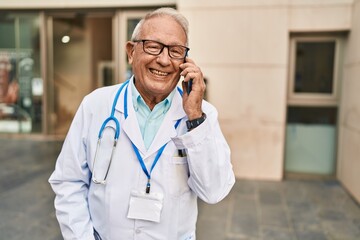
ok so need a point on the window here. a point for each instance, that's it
(314, 71)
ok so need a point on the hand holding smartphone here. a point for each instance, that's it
(193, 77)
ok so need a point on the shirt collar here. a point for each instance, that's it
(138, 101)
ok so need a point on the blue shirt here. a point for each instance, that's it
(150, 121)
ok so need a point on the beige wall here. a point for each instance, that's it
(319, 15)
(41, 4)
(349, 140)
(242, 47)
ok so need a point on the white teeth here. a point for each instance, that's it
(159, 73)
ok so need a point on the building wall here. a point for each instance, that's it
(41, 4)
(319, 15)
(349, 140)
(243, 48)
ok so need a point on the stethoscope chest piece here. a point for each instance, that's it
(98, 152)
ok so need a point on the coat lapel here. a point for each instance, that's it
(166, 131)
(130, 125)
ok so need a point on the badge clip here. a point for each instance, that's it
(147, 190)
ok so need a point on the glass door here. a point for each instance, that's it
(80, 59)
(311, 130)
(21, 85)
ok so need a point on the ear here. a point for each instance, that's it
(130, 48)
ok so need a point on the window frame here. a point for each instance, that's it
(314, 99)
(121, 20)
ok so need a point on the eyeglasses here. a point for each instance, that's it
(155, 48)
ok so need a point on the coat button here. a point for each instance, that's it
(137, 231)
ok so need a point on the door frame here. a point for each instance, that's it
(315, 99)
(122, 17)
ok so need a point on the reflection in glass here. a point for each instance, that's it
(78, 64)
(14, 119)
(19, 66)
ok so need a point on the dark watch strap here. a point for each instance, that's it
(196, 122)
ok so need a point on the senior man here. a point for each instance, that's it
(139, 154)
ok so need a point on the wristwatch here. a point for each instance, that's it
(196, 122)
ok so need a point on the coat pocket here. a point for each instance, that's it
(178, 175)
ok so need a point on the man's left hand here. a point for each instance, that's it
(192, 101)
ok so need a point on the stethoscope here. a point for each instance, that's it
(116, 137)
(116, 130)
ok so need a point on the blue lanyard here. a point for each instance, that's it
(136, 150)
(155, 160)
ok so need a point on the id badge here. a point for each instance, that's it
(145, 206)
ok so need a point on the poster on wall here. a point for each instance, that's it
(16, 69)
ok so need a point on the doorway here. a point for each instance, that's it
(80, 60)
(312, 111)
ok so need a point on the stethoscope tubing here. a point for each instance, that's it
(116, 135)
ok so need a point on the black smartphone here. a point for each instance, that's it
(189, 83)
(189, 86)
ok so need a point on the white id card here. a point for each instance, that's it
(145, 206)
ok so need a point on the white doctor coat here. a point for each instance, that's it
(82, 206)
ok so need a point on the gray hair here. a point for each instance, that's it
(178, 17)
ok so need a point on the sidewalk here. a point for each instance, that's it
(254, 210)
(299, 210)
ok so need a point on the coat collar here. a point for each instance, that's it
(131, 126)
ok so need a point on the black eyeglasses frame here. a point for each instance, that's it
(163, 46)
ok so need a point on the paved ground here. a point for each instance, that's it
(254, 210)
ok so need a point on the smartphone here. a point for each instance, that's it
(189, 86)
(189, 83)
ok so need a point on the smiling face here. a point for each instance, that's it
(156, 76)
